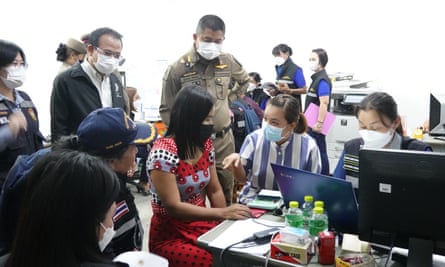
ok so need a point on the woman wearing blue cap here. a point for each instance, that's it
(110, 134)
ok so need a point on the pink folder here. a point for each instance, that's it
(311, 115)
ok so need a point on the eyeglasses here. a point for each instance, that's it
(109, 53)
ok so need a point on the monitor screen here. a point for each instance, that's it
(338, 195)
(437, 114)
(401, 200)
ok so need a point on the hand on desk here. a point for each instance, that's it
(236, 212)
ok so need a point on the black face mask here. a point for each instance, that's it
(205, 131)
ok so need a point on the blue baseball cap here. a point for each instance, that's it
(107, 130)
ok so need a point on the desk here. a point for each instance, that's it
(437, 145)
(235, 258)
(240, 259)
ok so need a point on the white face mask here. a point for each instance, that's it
(251, 87)
(107, 237)
(279, 61)
(15, 77)
(313, 65)
(106, 64)
(374, 139)
(209, 50)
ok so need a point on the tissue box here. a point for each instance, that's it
(293, 235)
(293, 253)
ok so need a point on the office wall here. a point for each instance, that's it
(396, 43)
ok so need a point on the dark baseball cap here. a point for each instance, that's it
(107, 130)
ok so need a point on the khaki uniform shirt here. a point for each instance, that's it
(217, 75)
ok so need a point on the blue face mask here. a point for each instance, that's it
(272, 133)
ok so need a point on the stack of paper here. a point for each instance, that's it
(241, 230)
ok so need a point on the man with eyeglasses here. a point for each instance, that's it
(89, 85)
(221, 74)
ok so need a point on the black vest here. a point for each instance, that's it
(26, 142)
(258, 95)
(351, 159)
(288, 70)
(312, 94)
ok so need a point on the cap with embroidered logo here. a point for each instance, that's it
(107, 130)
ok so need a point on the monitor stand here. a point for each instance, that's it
(420, 252)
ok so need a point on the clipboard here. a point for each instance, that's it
(311, 115)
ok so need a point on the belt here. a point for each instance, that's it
(222, 132)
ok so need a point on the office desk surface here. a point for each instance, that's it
(240, 258)
(437, 145)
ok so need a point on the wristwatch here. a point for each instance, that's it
(319, 124)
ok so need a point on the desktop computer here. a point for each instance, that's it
(401, 201)
(437, 114)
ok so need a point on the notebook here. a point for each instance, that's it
(337, 194)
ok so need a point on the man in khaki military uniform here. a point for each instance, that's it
(221, 74)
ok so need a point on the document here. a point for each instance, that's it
(270, 193)
(311, 115)
(241, 230)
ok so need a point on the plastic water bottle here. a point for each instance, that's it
(318, 222)
(294, 216)
(319, 203)
(307, 208)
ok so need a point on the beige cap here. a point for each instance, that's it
(76, 45)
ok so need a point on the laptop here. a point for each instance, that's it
(338, 195)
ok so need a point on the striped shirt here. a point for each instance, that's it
(300, 152)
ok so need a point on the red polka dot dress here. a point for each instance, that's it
(172, 238)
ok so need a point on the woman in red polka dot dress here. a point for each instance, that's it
(182, 173)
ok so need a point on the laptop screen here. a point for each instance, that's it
(338, 195)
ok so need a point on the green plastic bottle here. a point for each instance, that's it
(319, 203)
(318, 222)
(294, 215)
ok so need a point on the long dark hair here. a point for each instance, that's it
(67, 195)
(291, 108)
(192, 105)
(384, 104)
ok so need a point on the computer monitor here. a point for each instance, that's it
(437, 114)
(402, 201)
